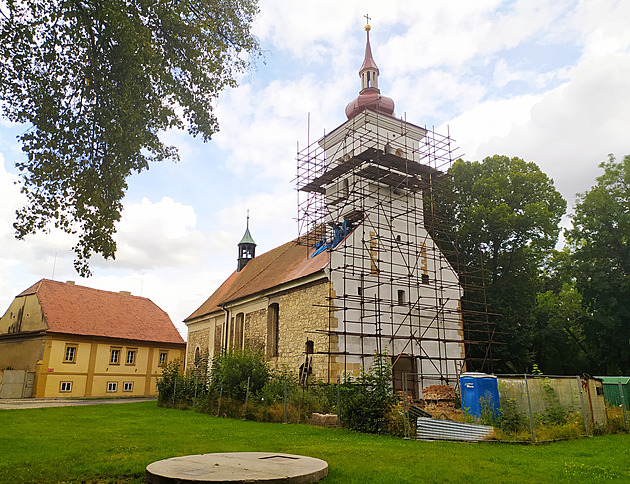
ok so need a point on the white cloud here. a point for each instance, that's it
(568, 131)
(156, 235)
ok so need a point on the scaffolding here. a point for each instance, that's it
(398, 285)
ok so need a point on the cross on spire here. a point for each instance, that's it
(367, 19)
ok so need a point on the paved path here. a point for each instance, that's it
(17, 403)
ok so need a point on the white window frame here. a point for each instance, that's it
(163, 361)
(73, 353)
(112, 360)
(132, 354)
(112, 387)
(128, 386)
(65, 386)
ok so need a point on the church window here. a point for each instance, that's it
(197, 354)
(238, 331)
(273, 319)
(310, 347)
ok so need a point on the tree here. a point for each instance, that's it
(599, 239)
(96, 81)
(505, 213)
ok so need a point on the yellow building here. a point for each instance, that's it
(65, 340)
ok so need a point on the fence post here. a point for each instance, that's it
(285, 399)
(338, 401)
(579, 382)
(220, 398)
(195, 397)
(246, 397)
(405, 410)
(529, 407)
(174, 391)
(623, 405)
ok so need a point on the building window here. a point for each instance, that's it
(128, 386)
(71, 354)
(273, 320)
(310, 347)
(131, 357)
(238, 330)
(425, 278)
(112, 386)
(114, 358)
(163, 357)
(402, 300)
(66, 386)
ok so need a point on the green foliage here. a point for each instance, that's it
(554, 412)
(366, 400)
(511, 419)
(505, 212)
(560, 344)
(231, 370)
(167, 384)
(95, 83)
(600, 242)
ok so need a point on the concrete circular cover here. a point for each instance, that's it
(251, 467)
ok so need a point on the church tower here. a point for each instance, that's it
(393, 291)
(246, 249)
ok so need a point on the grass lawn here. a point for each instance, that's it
(114, 443)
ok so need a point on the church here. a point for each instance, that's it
(364, 277)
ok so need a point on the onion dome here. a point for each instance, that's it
(370, 95)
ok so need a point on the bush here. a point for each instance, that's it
(231, 370)
(365, 401)
(511, 419)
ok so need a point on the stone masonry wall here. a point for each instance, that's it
(303, 311)
(196, 339)
(256, 330)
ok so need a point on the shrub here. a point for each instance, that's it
(511, 419)
(231, 370)
(365, 401)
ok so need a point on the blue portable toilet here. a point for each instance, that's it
(475, 387)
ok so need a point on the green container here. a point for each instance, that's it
(611, 390)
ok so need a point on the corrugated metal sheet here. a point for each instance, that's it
(611, 389)
(432, 429)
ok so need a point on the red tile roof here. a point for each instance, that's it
(283, 264)
(81, 310)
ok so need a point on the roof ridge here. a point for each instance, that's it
(263, 268)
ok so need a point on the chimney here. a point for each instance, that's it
(70, 283)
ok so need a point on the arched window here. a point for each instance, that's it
(238, 330)
(273, 319)
(197, 354)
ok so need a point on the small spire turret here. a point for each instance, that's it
(246, 248)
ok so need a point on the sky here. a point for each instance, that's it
(545, 80)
